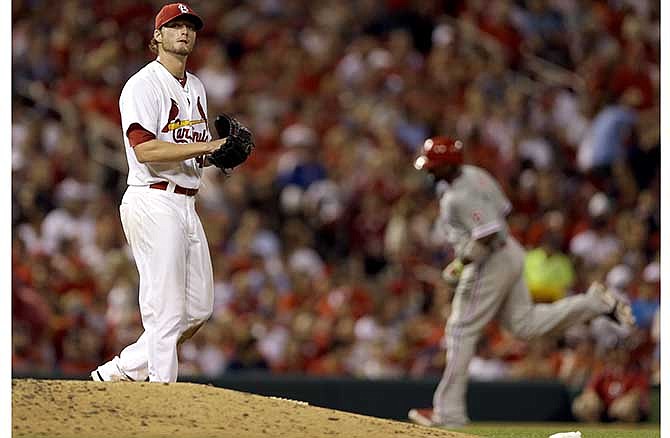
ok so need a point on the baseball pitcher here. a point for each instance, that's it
(487, 274)
(167, 143)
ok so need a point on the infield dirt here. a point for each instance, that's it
(81, 409)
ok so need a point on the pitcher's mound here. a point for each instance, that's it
(81, 409)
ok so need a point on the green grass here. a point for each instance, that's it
(544, 430)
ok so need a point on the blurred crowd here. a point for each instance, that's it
(325, 259)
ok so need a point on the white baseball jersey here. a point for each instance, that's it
(168, 242)
(156, 100)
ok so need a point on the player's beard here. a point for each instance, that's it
(178, 48)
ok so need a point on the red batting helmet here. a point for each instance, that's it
(438, 151)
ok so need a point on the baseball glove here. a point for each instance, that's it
(237, 147)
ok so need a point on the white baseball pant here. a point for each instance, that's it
(497, 288)
(176, 283)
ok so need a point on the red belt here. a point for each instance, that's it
(177, 189)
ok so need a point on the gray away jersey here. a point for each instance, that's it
(472, 207)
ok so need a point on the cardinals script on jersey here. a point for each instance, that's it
(154, 98)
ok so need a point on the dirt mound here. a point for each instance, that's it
(68, 409)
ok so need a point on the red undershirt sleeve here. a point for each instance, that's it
(138, 135)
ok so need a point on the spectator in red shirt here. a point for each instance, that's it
(620, 392)
(632, 77)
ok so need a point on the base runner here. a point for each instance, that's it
(487, 274)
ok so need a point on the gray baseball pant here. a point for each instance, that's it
(493, 288)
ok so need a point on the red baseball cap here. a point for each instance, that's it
(175, 10)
